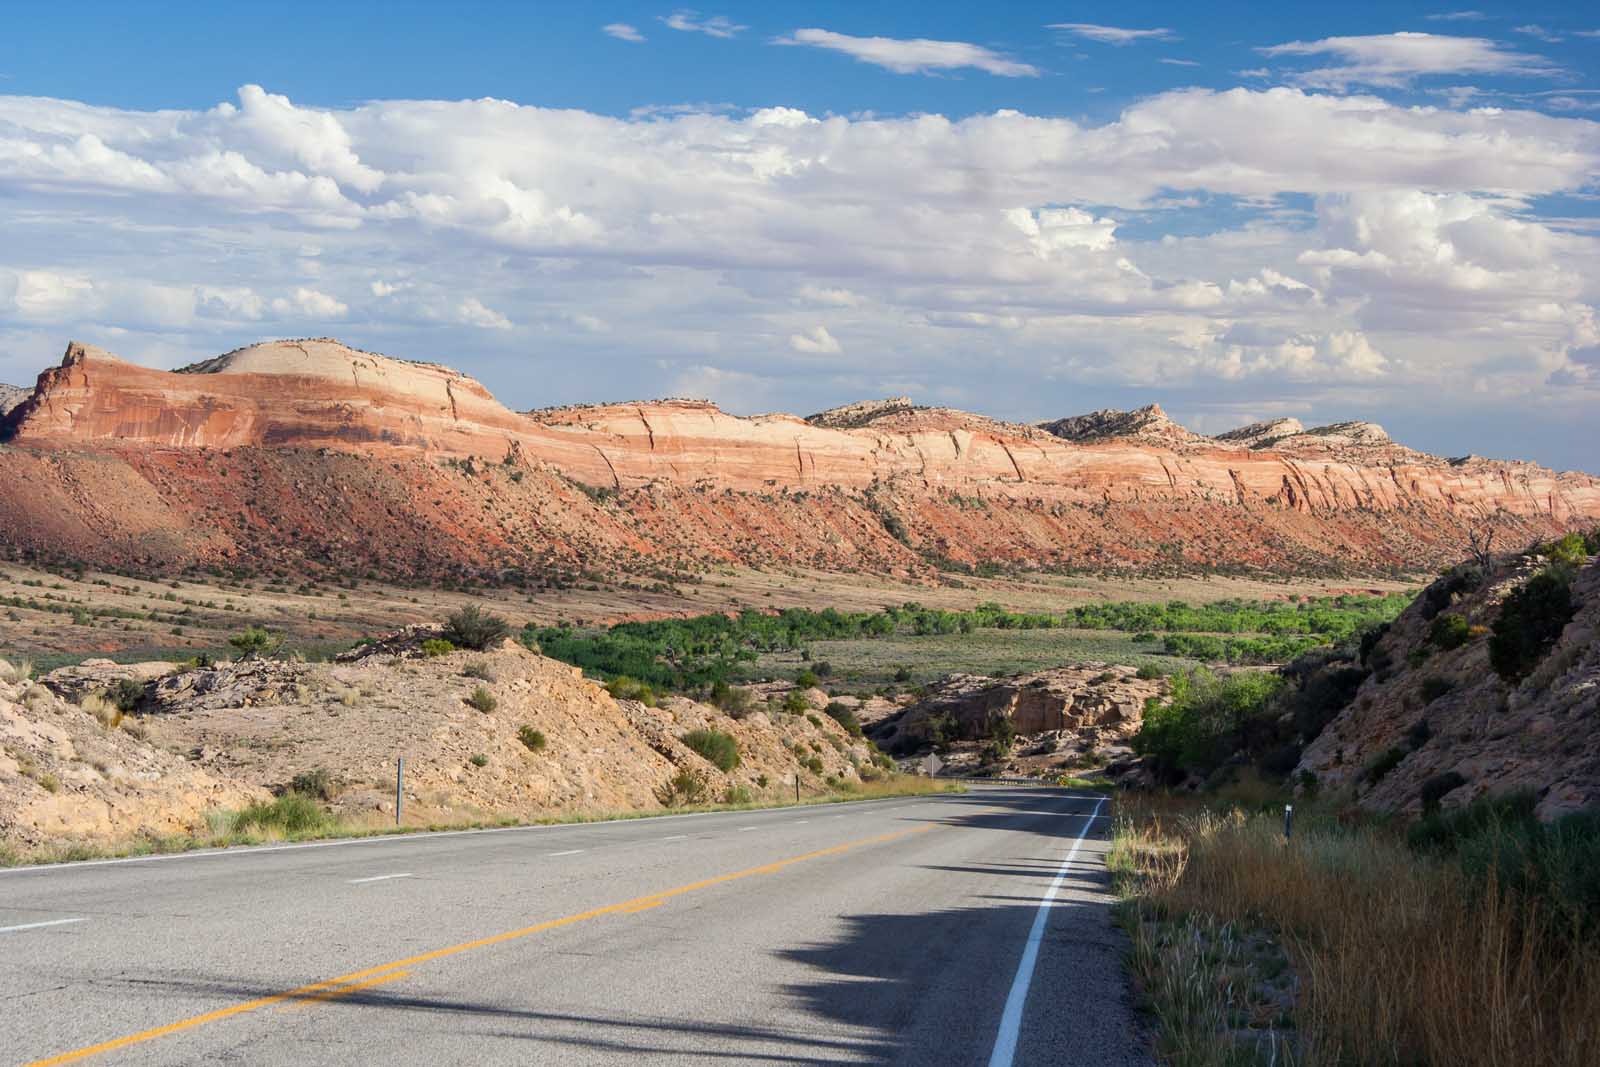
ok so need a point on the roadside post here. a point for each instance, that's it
(797, 786)
(399, 783)
(1288, 821)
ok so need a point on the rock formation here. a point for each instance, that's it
(1435, 713)
(11, 396)
(1090, 701)
(312, 455)
(252, 726)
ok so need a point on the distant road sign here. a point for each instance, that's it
(934, 763)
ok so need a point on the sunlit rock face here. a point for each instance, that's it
(401, 466)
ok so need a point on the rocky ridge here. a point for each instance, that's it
(11, 396)
(1433, 713)
(313, 454)
(221, 736)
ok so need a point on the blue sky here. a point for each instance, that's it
(1024, 209)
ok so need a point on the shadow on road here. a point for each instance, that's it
(920, 986)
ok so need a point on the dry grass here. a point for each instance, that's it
(1401, 958)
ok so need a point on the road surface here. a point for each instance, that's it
(961, 929)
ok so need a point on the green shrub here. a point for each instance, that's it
(483, 700)
(738, 794)
(1530, 621)
(126, 695)
(478, 669)
(1499, 841)
(254, 641)
(1205, 719)
(533, 740)
(844, 716)
(718, 748)
(1435, 788)
(684, 787)
(1449, 631)
(623, 687)
(806, 679)
(822, 669)
(1382, 764)
(479, 760)
(794, 702)
(812, 764)
(437, 646)
(1572, 549)
(292, 813)
(1433, 688)
(314, 783)
(472, 627)
(1149, 671)
(902, 675)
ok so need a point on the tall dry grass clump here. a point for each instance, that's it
(1402, 958)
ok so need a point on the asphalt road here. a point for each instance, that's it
(964, 929)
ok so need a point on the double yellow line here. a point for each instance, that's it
(333, 988)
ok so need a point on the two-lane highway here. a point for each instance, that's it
(956, 929)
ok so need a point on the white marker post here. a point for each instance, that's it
(399, 781)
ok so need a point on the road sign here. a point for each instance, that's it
(933, 764)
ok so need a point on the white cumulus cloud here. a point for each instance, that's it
(1397, 59)
(816, 341)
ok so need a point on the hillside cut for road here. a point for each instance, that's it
(315, 457)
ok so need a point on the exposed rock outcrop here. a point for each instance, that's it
(314, 455)
(1263, 434)
(11, 396)
(250, 727)
(1148, 423)
(65, 774)
(862, 413)
(1430, 710)
(1091, 702)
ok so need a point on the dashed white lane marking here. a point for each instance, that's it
(675, 837)
(378, 878)
(568, 852)
(742, 829)
(801, 822)
(1005, 1042)
(35, 926)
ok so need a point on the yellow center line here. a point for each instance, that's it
(306, 992)
(330, 994)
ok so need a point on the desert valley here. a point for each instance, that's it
(861, 534)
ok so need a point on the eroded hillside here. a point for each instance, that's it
(310, 455)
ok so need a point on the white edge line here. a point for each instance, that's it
(430, 835)
(568, 852)
(378, 878)
(1005, 1042)
(675, 837)
(35, 926)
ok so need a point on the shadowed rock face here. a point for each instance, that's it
(313, 452)
(1540, 733)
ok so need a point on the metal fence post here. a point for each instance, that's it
(399, 787)
(1288, 821)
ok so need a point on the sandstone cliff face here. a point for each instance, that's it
(1541, 734)
(315, 452)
